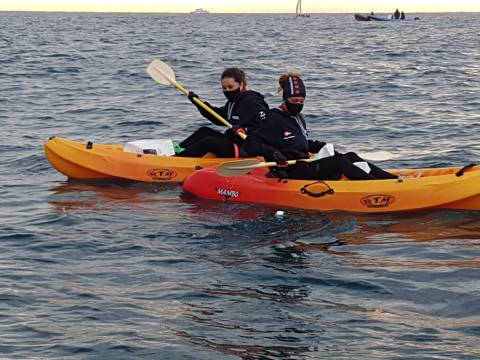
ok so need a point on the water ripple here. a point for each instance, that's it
(127, 270)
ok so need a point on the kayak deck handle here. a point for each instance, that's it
(463, 169)
(328, 191)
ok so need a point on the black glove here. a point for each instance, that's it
(191, 95)
(277, 173)
(280, 159)
(234, 131)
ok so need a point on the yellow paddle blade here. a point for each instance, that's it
(240, 167)
(161, 72)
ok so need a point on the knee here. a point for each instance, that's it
(212, 142)
(353, 157)
(211, 131)
(205, 130)
(206, 140)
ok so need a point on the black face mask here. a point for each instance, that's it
(232, 95)
(293, 109)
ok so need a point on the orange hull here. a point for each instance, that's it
(103, 162)
(435, 189)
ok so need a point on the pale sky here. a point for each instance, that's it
(242, 6)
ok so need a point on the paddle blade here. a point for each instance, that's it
(161, 72)
(237, 168)
(380, 155)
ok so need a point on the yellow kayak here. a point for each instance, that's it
(92, 161)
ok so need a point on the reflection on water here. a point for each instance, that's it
(294, 337)
(362, 245)
(72, 194)
(258, 286)
(359, 240)
(248, 352)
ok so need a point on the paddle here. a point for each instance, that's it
(379, 155)
(163, 74)
(241, 167)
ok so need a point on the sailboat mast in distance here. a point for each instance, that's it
(298, 11)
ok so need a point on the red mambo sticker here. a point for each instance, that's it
(228, 193)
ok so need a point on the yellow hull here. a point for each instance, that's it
(102, 162)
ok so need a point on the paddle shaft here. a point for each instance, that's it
(289, 162)
(210, 110)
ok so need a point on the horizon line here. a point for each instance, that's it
(226, 13)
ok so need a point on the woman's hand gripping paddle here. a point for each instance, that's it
(163, 74)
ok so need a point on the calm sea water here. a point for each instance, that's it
(129, 271)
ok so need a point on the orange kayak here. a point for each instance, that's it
(418, 189)
(82, 160)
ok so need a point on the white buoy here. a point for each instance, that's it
(279, 213)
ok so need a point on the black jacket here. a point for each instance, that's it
(281, 132)
(248, 111)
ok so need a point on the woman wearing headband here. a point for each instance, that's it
(283, 136)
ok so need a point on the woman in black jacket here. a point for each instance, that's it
(283, 136)
(245, 110)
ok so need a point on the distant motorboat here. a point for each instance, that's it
(199, 11)
(360, 17)
(298, 10)
(377, 18)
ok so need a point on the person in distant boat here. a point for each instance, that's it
(283, 136)
(372, 14)
(245, 109)
(402, 16)
(396, 14)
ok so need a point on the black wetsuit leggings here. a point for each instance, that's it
(206, 140)
(333, 167)
(200, 134)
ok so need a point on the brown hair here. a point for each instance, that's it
(236, 74)
(283, 79)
